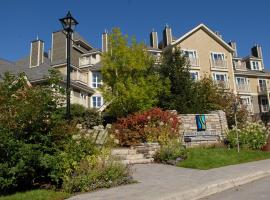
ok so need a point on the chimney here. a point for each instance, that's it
(233, 45)
(256, 51)
(154, 39)
(218, 34)
(167, 36)
(36, 53)
(105, 41)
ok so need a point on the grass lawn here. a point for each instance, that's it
(36, 195)
(207, 158)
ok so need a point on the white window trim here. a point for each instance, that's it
(192, 50)
(220, 73)
(255, 61)
(101, 101)
(240, 77)
(213, 52)
(194, 71)
(92, 78)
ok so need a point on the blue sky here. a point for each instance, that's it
(246, 22)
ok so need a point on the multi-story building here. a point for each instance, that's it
(85, 63)
(210, 55)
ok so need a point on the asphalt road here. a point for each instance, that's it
(257, 190)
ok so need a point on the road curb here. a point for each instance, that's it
(215, 187)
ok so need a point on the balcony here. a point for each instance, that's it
(219, 64)
(264, 108)
(249, 108)
(240, 65)
(262, 89)
(79, 77)
(222, 84)
(194, 62)
(242, 88)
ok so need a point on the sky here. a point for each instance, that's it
(243, 21)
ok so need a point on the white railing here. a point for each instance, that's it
(85, 61)
(262, 88)
(249, 108)
(194, 62)
(240, 66)
(222, 64)
(242, 88)
(264, 108)
(223, 84)
(77, 76)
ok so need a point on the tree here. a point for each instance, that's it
(130, 80)
(189, 96)
(175, 70)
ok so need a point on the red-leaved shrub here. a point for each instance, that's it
(154, 125)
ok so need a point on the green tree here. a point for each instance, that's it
(175, 69)
(131, 82)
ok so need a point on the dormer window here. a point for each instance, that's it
(255, 65)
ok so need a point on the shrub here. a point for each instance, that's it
(153, 125)
(171, 152)
(251, 136)
(96, 172)
(91, 118)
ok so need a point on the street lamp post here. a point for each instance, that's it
(69, 24)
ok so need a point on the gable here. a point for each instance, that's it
(200, 32)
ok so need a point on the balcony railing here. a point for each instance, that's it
(223, 84)
(264, 108)
(249, 108)
(79, 77)
(262, 89)
(194, 62)
(221, 64)
(242, 88)
(240, 66)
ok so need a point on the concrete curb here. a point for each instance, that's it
(215, 187)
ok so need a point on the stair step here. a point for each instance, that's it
(123, 151)
(138, 161)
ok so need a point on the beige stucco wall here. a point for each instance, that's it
(204, 44)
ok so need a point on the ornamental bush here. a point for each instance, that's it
(251, 136)
(171, 152)
(154, 125)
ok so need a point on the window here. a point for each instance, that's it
(96, 80)
(96, 101)
(241, 81)
(255, 65)
(245, 100)
(220, 77)
(218, 56)
(190, 53)
(264, 104)
(194, 75)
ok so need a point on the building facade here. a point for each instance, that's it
(210, 55)
(207, 52)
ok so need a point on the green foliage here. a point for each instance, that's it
(27, 131)
(37, 146)
(37, 195)
(188, 96)
(130, 81)
(79, 114)
(251, 136)
(153, 125)
(171, 151)
(175, 70)
(94, 172)
(208, 158)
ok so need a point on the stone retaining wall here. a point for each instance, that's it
(216, 127)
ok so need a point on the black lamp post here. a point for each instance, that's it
(69, 24)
